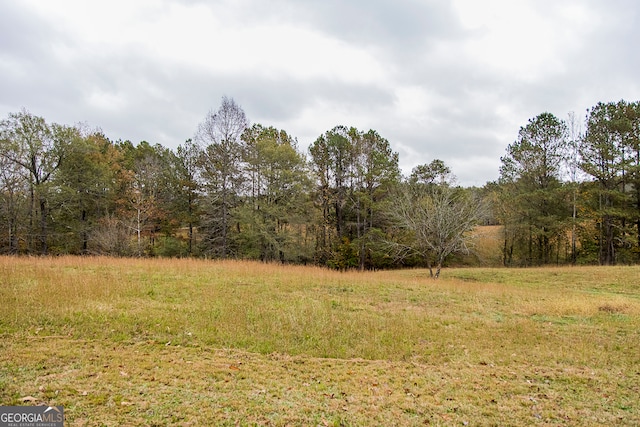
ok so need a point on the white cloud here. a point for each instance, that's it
(512, 38)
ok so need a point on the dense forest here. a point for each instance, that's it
(568, 192)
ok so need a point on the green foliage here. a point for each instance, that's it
(172, 247)
(37, 150)
(84, 192)
(345, 256)
(436, 172)
(356, 173)
(611, 156)
(221, 172)
(248, 192)
(186, 203)
(535, 211)
(275, 206)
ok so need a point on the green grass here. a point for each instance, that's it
(188, 342)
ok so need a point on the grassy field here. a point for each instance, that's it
(187, 342)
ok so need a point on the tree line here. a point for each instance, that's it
(569, 191)
(247, 191)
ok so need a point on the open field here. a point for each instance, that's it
(191, 342)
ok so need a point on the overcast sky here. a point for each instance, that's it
(452, 80)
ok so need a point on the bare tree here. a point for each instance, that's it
(573, 170)
(220, 163)
(438, 218)
(112, 236)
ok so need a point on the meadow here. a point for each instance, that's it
(194, 342)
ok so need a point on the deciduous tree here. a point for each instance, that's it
(438, 218)
(220, 168)
(38, 148)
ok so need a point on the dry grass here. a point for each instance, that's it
(487, 246)
(189, 342)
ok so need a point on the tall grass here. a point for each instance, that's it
(479, 314)
(180, 342)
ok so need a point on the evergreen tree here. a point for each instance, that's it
(610, 156)
(220, 169)
(276, 210)
(354, 172)
(187, 206)
(531, 175)
(84, 192)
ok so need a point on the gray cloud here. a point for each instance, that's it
(21, 32)
(400, 24)
(414, 71)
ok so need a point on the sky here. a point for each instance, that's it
(439, 79)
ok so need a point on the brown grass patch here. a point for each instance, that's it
(191, 342)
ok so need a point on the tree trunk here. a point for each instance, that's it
(13, 237)
(138, 230)
(573, 231)
(85, 235)
(429, 267)
(32, 214)
(224, 224)
(43, 226)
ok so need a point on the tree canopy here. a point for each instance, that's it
(243, 190)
